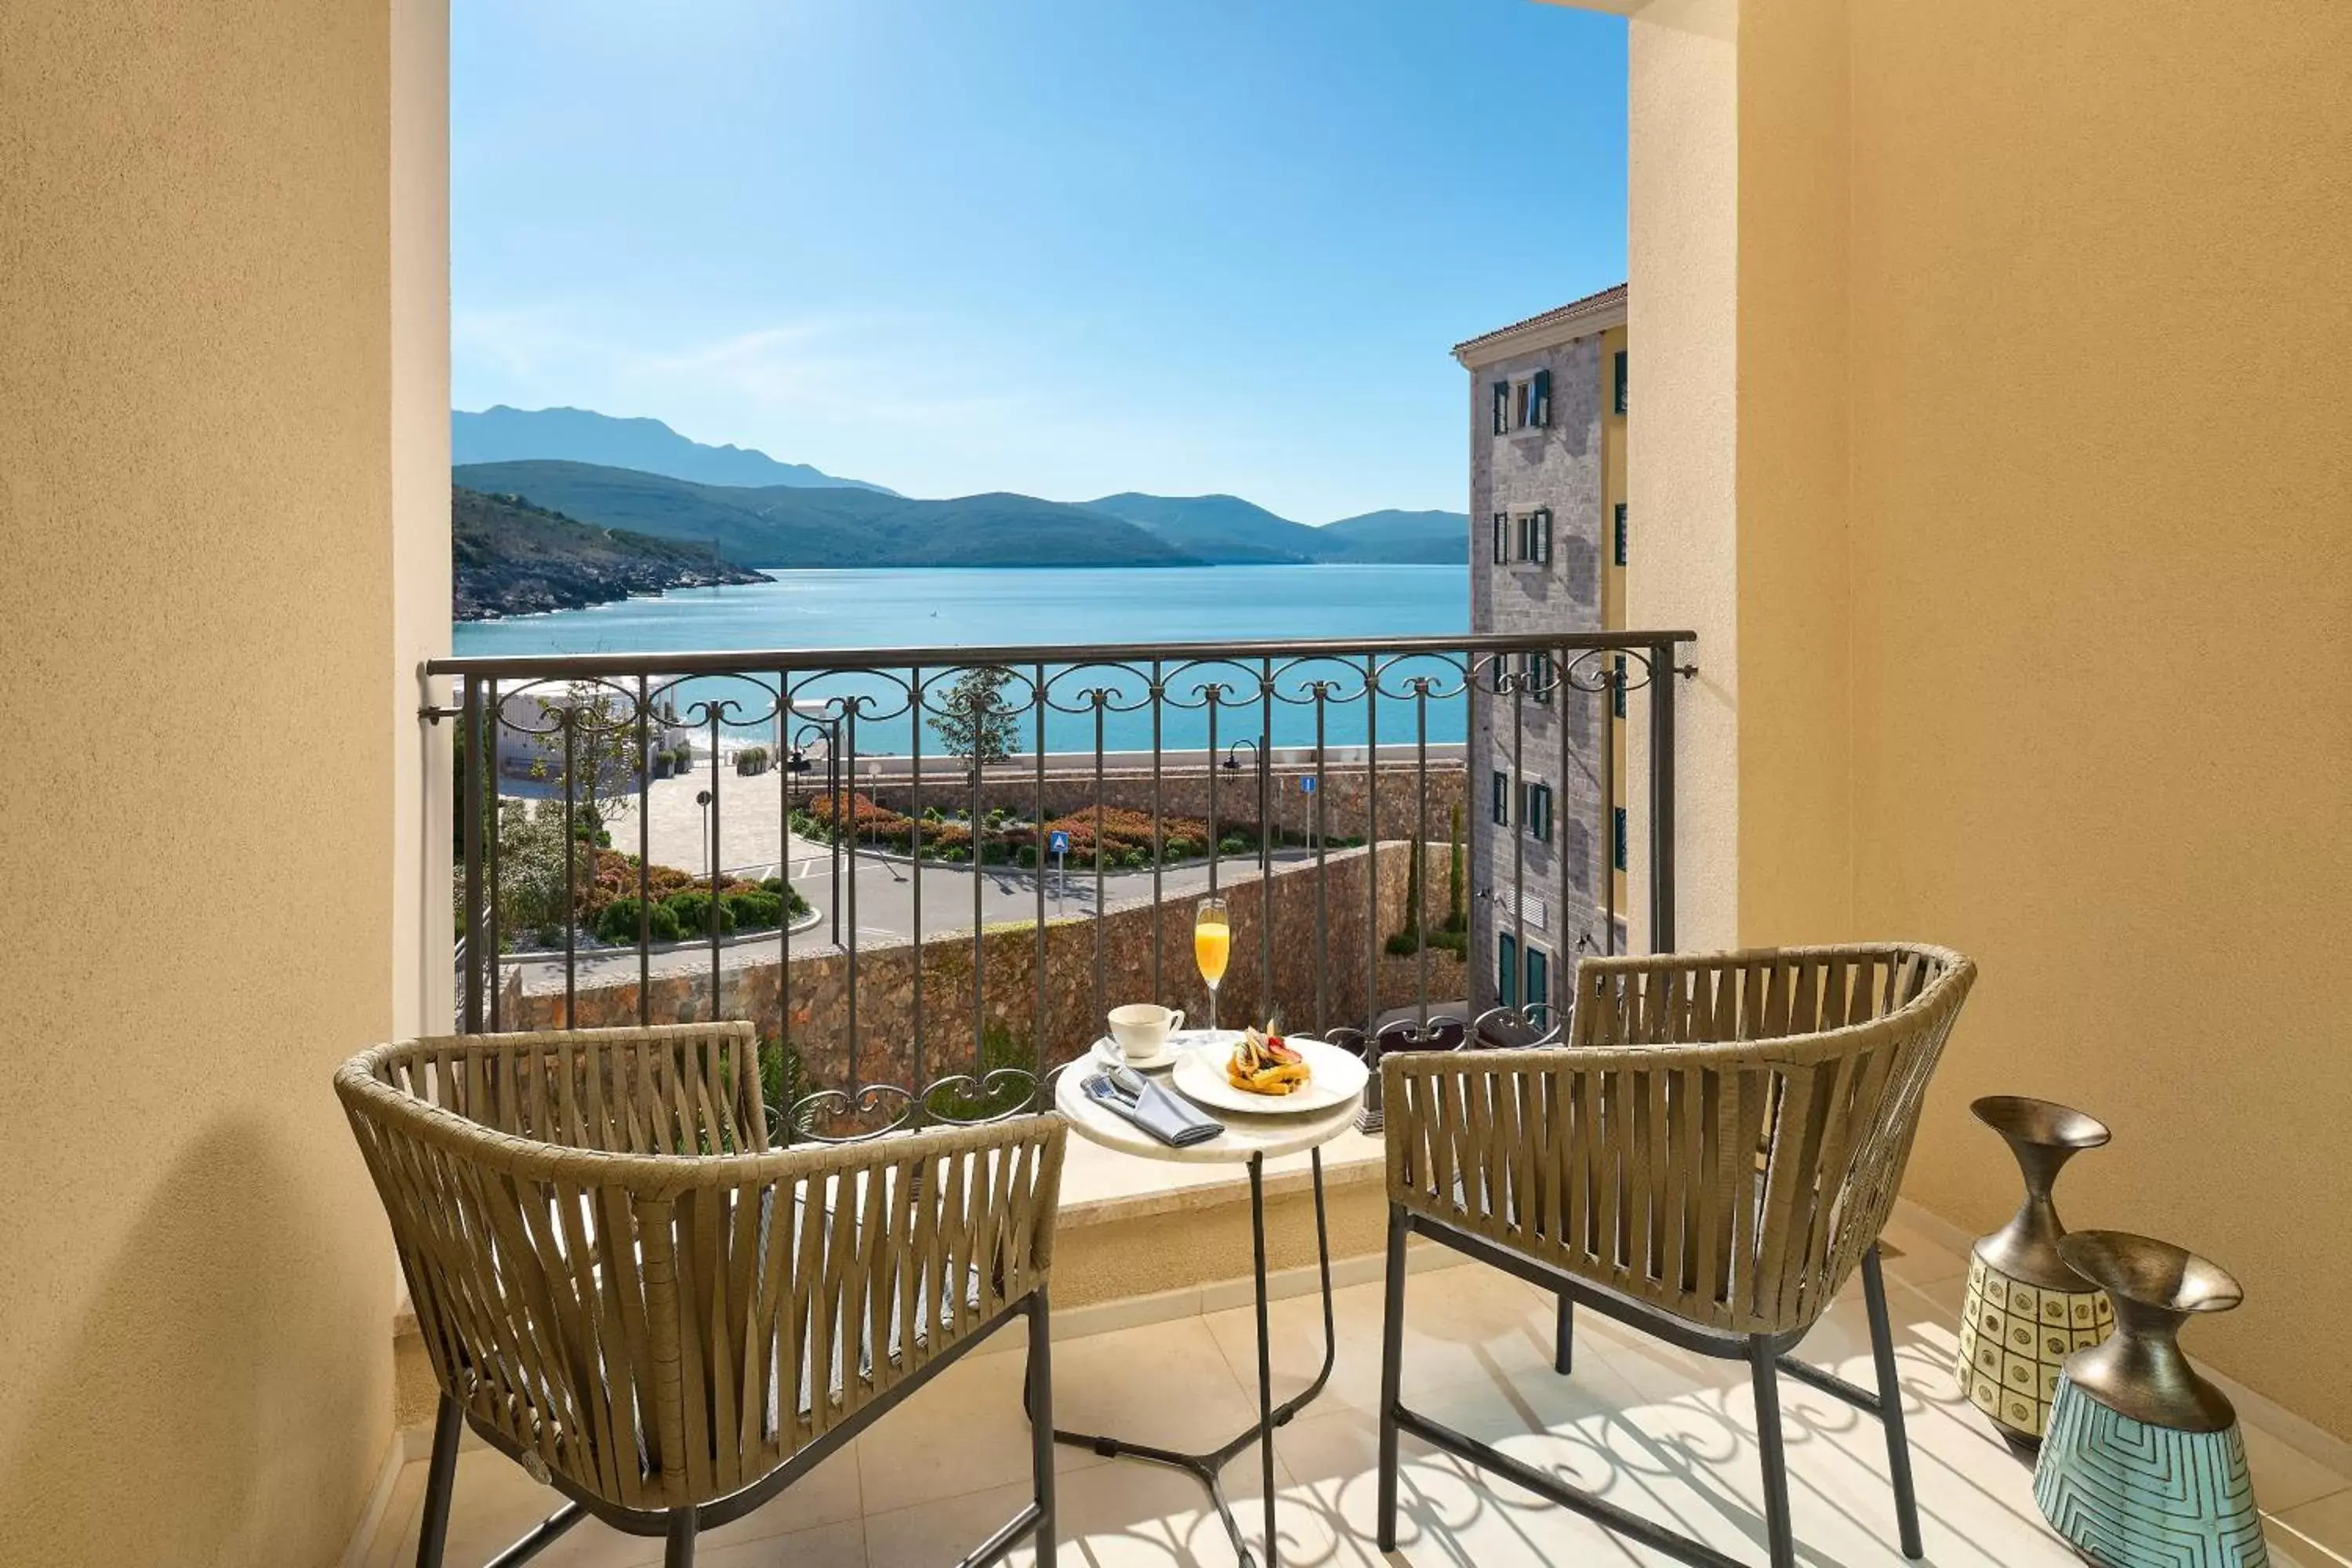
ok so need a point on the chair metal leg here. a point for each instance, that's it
(1391, 1374)
(1890, 1405)
(440, 1477)
(1764, 1368)
(1563, 1354)
(678, 1550)
(1038, 1396)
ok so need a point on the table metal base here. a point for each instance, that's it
(1208, 1468)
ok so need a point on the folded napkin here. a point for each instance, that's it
(1175, 1122)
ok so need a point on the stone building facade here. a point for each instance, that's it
(1544, 765)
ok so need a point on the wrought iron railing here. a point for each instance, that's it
(930, 806)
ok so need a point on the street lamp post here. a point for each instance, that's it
(829, 731)
(1233, 766)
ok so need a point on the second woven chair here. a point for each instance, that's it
(1709, 1160)
(624, 1290)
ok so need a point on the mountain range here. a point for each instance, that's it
(640, 475)
(502, 435)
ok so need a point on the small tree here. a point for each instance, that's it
(979, 725)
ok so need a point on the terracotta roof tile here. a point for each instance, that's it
(1573, 308)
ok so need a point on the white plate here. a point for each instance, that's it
(1335, 1078)
(1106, 1050)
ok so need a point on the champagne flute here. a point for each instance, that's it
(1213, 944)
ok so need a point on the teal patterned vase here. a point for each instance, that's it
(2143, 1465)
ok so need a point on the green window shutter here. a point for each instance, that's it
(1501, 803)
(1539, 399)
(1539, 976)
(1542, 531)
(1620, 381)
(1502, 407)
(1506, 970)
(1617, 689)
(1620, 533)
(1541, 828)
(1502, 538)
(1618, 832)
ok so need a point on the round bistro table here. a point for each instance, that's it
(1247, 1140)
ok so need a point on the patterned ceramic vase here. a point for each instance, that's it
(2143, 1466)
(2027, 1310)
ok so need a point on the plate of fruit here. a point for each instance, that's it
(1264, 1073)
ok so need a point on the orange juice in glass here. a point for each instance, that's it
(1213, 946)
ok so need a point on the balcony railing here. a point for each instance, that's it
(925, 873)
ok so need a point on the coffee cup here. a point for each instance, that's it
(1141, 1030)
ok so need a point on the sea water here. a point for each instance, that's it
(925, 607)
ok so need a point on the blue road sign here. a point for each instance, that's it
(1306, 784)
(1058, 842)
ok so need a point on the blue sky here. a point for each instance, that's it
(1061, 247)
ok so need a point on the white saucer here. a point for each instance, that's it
(1106, 1050)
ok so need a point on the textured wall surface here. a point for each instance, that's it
(195, 386)
(1342, 794)
(2039, 585)
(1559, 742)
(819, 983)
(2102, 627)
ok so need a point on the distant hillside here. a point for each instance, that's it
(788, 525)
(1216, 528)
(504, 435)
(513, 557)
(1432, 538)
(1228, 529)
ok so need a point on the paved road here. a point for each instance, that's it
(886, 907)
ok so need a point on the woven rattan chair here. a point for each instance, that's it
(624, 1289)
(1709, 1160)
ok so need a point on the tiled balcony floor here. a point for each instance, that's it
(1666, 1433)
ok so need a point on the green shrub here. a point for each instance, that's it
(1028, 854)
(692, 913)
(619, 923)
(1179, 850)
(955, 854)
(1404, 943)
(754, 910)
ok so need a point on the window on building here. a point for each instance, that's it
(1620, 533)
(1539, 976)
(1500, 803)
(1620, 381)
(1534, 531)
(1617, 687)
(1531, 401)
(1506, 968)
(1535, 812)
(1522, 403)
(1535, 675)
(1617, 833)
(1502, 538)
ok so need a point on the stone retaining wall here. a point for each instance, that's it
(1343, 792)
(817, 988)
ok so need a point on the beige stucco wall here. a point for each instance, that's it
(2101, 624)
(196, 498)
(1682, 150)
(2039, 576)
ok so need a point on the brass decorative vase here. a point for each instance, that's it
(2143, 1466)
(2027, 1310)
